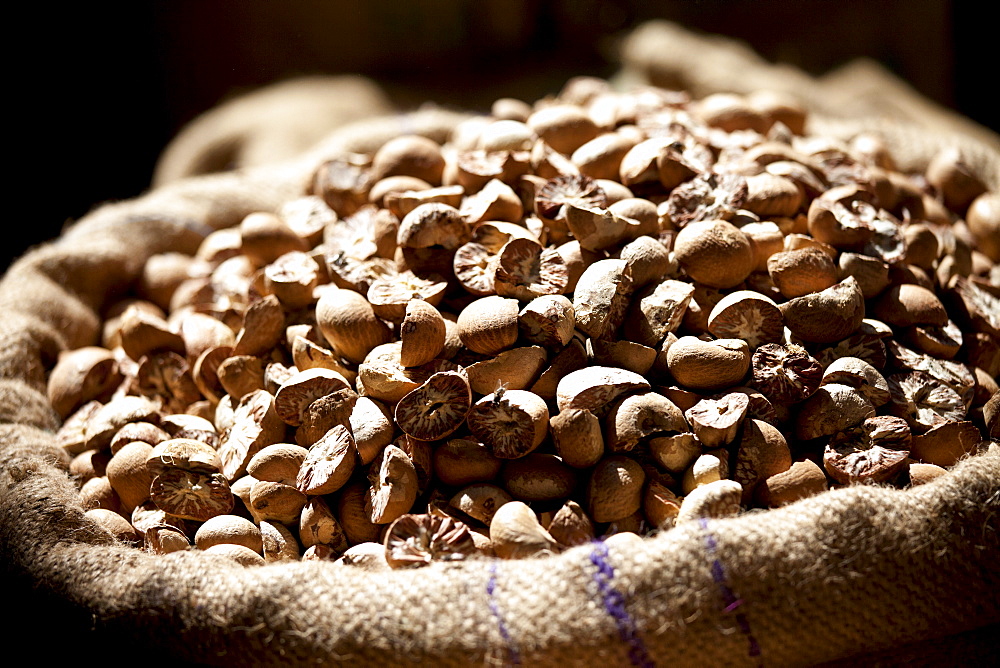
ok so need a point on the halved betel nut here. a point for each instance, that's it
(328, 463)
(437, 408)
(874, 451)
(511, 423)
(747, 315)
(414, 540)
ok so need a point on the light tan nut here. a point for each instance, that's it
(717, 420)
(129, 475)
(538, 477)
(577, 436)
(601, 297)
(164, 539)
(349, 324)
(278, 542)
(256, 425)
(714, 253)
(516, 533)
(827, 316)
(394, 485)
(114, 524)
(422, 333)
(675, 452)
(657, 311)
(639, 416)
(184, 453)
(516, 369)
(372, 428)
(708, 365)
(710, 466)
(570, 525)
(318, 526)
(594, 388)
(82, 375)
(615, 488)
(489, 325)
(762, 452)
(480, 501)
(229, 529)
(874, 451)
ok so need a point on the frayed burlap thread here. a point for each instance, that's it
(849, 572)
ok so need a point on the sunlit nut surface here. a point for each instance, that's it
(319, 527)
(714, 253)
(349, 324)
(489, 324)
(716, 421)
(708, 365)
(801, 272)
(785, 374)
(129, 475)
(570, 526)
(394, 485)
(114, 524)
(191, 495)
(435, 409)
(713, 500)
(184, 453)
(593, 388)
(80, 376)
(256, 424)
(639, 416)
(601, 297)
(656, 311)
(328, 464)
(827, 316)
(803, 479)
(480, 501)
(230, 529)
(516, 533)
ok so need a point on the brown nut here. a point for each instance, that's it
(708, 365)
(511, 423)
(714, 253)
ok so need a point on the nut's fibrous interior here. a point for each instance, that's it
(598, 314)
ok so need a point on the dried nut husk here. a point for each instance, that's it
(639, 416)
(538, 477)
(615, 488)
(716, 421)
(874, 451)
(437, 408)
(570, 526)
(184, 453)
(577, 437)
(710, 466)
(594, 388)
(747, 315)
(708, 365)
(831, 409)
(328, 464)
(762, 452)
(191, 495)
(422, 333)
(417, 540)
(229, 529)
(394, 485)
(511, 423)
(714, 253)
(82, 375)
(601, 297)
(516, 533)
(489, 325)
(714, 500)
(827, 316)
(946, 444)
(349, 324)
(129, 475)
(480, 501)
(114, 524)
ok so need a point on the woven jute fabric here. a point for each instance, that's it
(861, 575)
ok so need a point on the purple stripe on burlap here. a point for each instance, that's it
(614, 605)
(513, 657)
(729, 598)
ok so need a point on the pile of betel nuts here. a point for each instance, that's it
(591, 318)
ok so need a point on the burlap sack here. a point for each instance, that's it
(865, 575)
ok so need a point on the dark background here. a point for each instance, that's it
(100, 90)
